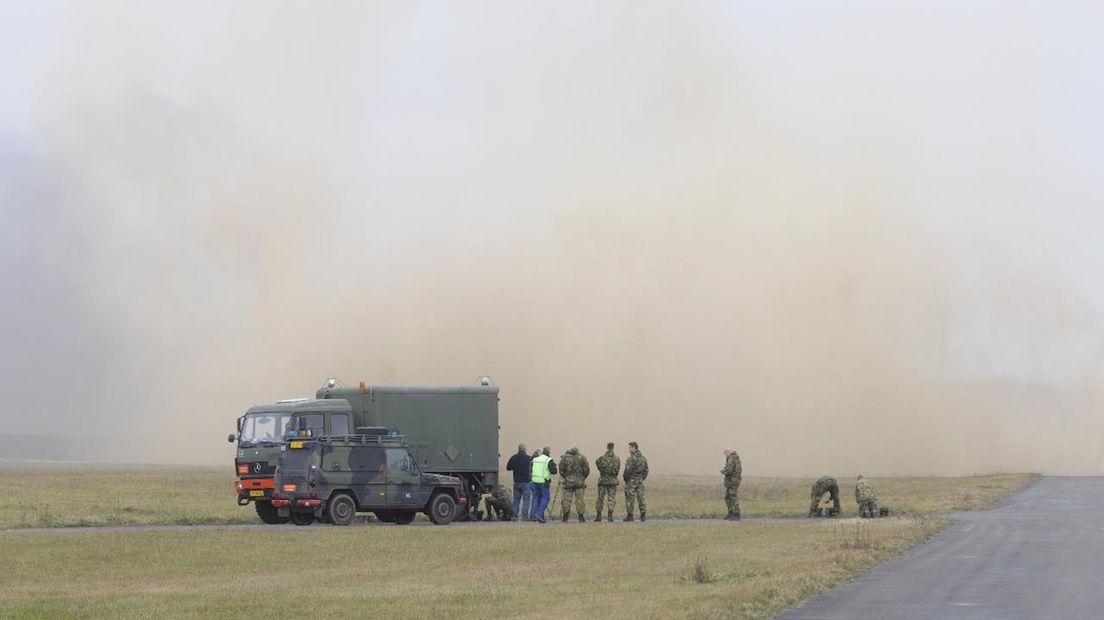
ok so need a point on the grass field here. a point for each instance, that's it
(704, 569)
(684, 569)
(142, 495)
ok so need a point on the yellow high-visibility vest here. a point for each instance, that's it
(540, 469)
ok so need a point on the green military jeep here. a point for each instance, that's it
(333, 478)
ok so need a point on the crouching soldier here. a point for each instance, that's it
(500, 504)
(826, 484)
(864, 496)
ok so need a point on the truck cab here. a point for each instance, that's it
(264, 431)
(331, 478)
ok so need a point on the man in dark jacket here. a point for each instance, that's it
(523, 488)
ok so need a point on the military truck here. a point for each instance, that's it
(451, 430)
(263, 431)
(333, 478)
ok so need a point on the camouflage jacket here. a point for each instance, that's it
(733, 471)
(636, 468)
(501, 496)
(864, 491)
(609, 465)
(574, 468)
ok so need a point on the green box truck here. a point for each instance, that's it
(451, 430)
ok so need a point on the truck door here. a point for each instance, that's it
(403, 479)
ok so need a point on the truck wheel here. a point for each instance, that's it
(302, 518)
(442, 509)
(341, 509)
(403, 518)
(267, 512)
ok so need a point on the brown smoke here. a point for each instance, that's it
(816, 238)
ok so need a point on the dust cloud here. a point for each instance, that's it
(839, 236)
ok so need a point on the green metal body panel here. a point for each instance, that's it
(450, 429)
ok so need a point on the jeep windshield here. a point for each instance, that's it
(262, 428)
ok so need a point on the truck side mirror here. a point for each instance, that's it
(231, 437)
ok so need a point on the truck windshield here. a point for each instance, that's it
(261, 427)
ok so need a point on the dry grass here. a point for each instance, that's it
(50, 496)
(89, 496)
(701, 569)
(668, 569)
(703, 496)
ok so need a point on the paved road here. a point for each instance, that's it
(1038, 555)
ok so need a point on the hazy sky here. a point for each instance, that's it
(838, 236)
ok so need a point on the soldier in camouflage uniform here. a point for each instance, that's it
(609, 465)
(825, 484)
(636, 471)
(500, 504)
(733, 472)
(864, 496)
(574, 469)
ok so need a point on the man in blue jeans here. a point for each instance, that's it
(520, 464)
(543, 467)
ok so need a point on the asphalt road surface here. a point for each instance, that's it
(1038, 555)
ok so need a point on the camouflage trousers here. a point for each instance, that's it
(499, 510)
(732, 501)
(868, 508)
(634, 494)
(578, 496)
(607, 496)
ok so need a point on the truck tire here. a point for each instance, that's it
(267, 512)
(442, 509)
(341, 509)
(302, 518)
(403, 518)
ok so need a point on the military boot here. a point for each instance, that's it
(628, 517)
(643, 517)
(736, 515)
(728, 517)
(582, 519)
(598, 518)
(565, 515)
(609, 516)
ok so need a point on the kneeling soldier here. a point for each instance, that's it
(864, 496)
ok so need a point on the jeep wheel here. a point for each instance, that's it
(442, 509)
(403, 518)
(302, 518)
(267, 512)
(341, 509)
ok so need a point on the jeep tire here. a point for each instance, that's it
(341, 509)
(267, 512)
(442, 509)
